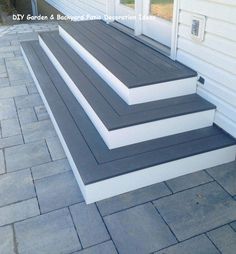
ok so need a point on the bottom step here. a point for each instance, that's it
(102, 173)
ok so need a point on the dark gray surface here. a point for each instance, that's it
(109, 107)
(93, 159)
(134, 63)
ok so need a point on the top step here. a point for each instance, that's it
(135, 71)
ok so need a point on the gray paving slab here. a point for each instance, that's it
(10, 127)
(233, 225)
(4, 82)
(50, 168)
(19, 82)
(226, 176)
(38, 130)
(197, 245)
(197, 210)
(8, 48)
(27, 115)
(57, 191)
(11, 141)
(103, 248)
(4, 43)
(7, 55)
(3, 68)
(32, 89)
(19, 211)
(55, 148)
(12, 91)
(7, 240)
(133, 198)
(139, 230)
(17, 69)
(89, 224)
(16, 186)
(26, 155)
(51, 233)
(28, 101)
(7, 109)
(28, 36)
(3, 75)
(2, 163)
(41, 113)
(189, 181)
(224, 238)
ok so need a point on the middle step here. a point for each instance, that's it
(120, 124)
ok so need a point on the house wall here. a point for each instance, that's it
(79, 7)
(215, 57)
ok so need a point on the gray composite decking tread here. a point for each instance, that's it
(113, 113)
(132, 62)
(85, 144)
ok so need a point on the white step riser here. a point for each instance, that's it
(138, 133)
(135, 95)
(144, 177)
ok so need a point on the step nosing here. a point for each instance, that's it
(88, 182)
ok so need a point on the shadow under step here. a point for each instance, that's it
(135, 71)
(103, 173)
(118, 123)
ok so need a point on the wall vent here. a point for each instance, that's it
(198, 27)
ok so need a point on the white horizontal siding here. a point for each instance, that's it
(80, 7)
(215, 57)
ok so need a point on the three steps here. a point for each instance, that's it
(122, 137)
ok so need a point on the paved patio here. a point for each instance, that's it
(41, 207)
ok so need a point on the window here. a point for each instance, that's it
(128, 3)
(162, 9)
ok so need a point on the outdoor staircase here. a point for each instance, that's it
(126, 115)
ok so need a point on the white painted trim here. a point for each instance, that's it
(110, 10)
(225, 123)
(152, 175)
(165, 90)
(137, 133)
(175, 28)
(135, 95)
(121, 10)
(142, 178)
(138, 26)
